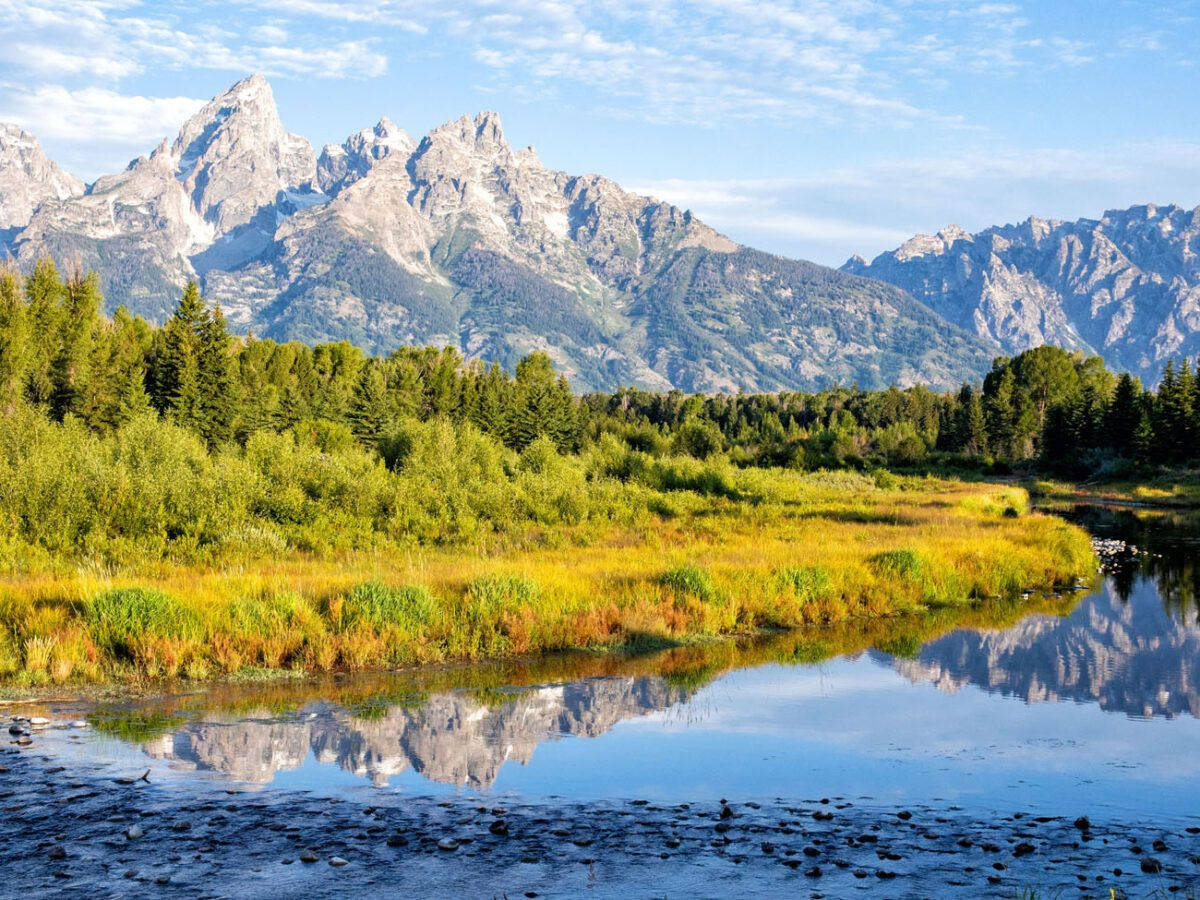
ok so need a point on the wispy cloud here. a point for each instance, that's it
(110, 122)
(867, 209)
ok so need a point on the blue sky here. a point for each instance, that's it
(812, 128)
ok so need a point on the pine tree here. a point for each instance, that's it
(14, 342)
(175, 370)
(371, 410)
(44, 293)
(217, 401)
(69, 363)
(1001, 415)
(1124, 416)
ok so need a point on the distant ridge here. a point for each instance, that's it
(1125, 286)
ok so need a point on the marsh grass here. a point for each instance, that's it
(716, 568)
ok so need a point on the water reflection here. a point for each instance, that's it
(1127, 655)
(1131, 648)
(453, 738)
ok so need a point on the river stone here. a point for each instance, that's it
(447, 844)
(1151, 866)
(337, 861)
(133, 832)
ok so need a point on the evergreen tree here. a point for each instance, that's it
(14, 342)
(1125, 416)
(1001, 414)
(44, 292)
(175, 368)
(69, 363)
(372, 413)
(217, 401)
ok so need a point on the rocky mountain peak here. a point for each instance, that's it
(481, 135)
(931, 245)
(342, 164)
(27, 178)
(234, 156)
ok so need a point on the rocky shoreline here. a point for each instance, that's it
(67, 830)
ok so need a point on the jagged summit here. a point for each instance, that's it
(456, 238)
(233, 157)
(342, 164)
(1125, 286)
(27, 178)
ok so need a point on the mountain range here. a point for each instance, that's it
(458, 239)
(1125, 286)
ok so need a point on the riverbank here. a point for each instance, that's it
(787, 550)
(73, 830)
(1177, 490)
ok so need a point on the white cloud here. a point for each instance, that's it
(47, 60)
(94, 114)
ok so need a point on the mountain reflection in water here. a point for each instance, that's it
(452, 738)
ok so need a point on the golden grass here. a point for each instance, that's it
(809, 549)
(1180, 490)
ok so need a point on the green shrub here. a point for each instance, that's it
(490, 603)
(898, 563)
(806, 582)
(378, 606)
(269, 613)
(689, 581)
(119, 619)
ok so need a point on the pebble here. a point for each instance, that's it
(337, 861)
(447, 844)
(308, 857)
(133, 832)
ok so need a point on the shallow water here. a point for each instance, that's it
(1088, 705)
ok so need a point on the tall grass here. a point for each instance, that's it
(823, 548)
(142, 554)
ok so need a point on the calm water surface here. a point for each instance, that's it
(1089, 703)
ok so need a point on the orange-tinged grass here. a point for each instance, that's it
(960, 543)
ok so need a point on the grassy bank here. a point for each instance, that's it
(1180, 490)
(772, 549)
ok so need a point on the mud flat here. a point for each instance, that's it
(64, 830)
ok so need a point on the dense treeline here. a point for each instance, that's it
(60, 356)
(1046, 407)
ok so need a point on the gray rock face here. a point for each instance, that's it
(1125, 286)
(341, 165)
(458, 239)
(27, 178)
(234, 157)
